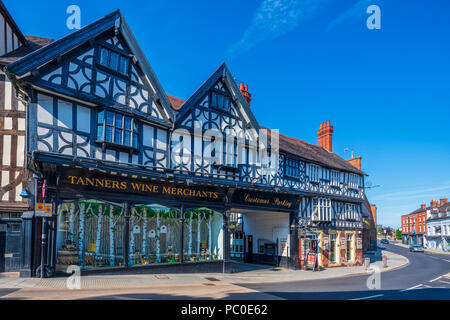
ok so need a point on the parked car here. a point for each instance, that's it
(384, 241)
(416, 249)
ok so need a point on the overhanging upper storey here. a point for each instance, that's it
(101, 65)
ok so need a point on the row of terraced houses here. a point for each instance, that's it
(428, 226)
(101, 169)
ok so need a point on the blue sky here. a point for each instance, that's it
(386, 92)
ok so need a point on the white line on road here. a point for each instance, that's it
(435, 279)
(419, 285)
(370, 297)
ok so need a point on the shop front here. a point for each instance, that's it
(106, 221)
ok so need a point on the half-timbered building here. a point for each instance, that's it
(140, 179)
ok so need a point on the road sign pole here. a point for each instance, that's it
(43, 238)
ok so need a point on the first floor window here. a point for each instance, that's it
(313, 173)
(117, 128)
(292, 168)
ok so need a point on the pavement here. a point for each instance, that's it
(400, 244)
(182, 286)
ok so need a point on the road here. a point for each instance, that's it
(422, 279)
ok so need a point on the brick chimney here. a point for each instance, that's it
(356, 162)
(443, 201)
(423, 206)
(434, 203)
(325, 135)
(244, 90)
(373, 211)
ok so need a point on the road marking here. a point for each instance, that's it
(419, 285)
(446, 260)
(444, 281)
(370, 297)
(435, 279)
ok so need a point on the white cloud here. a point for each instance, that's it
(274, 18)
(357, 11)
(412, 194)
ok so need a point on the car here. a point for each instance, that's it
(384, 241)
(416, 249)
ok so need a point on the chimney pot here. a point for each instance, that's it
(244, 90)
(423, 206)
(443, 201)
(325, 136)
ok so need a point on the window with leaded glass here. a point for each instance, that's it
(335, 178)
(114, 60)
(313, 172)
(291, 168)
(220, 101)
(118, 129)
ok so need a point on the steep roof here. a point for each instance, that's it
(12, 23)
(55, 49)
(313, 153)
(175, 102)
(34, 43)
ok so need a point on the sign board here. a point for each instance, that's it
(326, 243)
(76, 179)
(265, 199)
(43, 210)
(358, 243)
(311, 261)
(342, 242)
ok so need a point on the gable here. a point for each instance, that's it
(218, 104)
(106, 68)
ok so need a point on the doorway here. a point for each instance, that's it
(10, 246)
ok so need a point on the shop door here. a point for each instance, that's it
(237, 245)
(10, 244)
(248, 255)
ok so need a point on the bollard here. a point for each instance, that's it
(366, 263)
(384, 262)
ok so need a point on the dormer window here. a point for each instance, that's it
(114, 61)
(117, 129)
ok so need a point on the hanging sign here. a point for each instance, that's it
(163, 229)
(152, 234)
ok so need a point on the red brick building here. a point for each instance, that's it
(414, 225)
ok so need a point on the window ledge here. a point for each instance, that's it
(117, 146)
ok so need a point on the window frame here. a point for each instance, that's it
(108, 67)
(291, 165)
(133, 131)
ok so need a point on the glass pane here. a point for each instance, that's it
(127, 138)
(101, 117)
(104, 57)
(110, 118)
(100, 132)
(135, 141)
(154, 235)
(109, 133)
(118, 136)
(90, 234)
(114, 62)
(203, 238)
(119, 120)
(127, 123)
(123, 67)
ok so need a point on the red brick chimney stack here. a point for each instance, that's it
(325, 135)
(423, 206)
(434, 203)
(443, 201)
(244, 90)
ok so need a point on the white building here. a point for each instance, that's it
(438, 227)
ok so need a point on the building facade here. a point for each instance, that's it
(438, 227)
(136, 178)
(414, 226)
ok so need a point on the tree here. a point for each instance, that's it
(398, 234)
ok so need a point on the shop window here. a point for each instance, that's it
(203, 235)
(332, 248)
(117, 129)
(114, 61)
(154, 235)
(90, 235)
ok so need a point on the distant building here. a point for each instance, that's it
(414, 226)
(438, 227)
